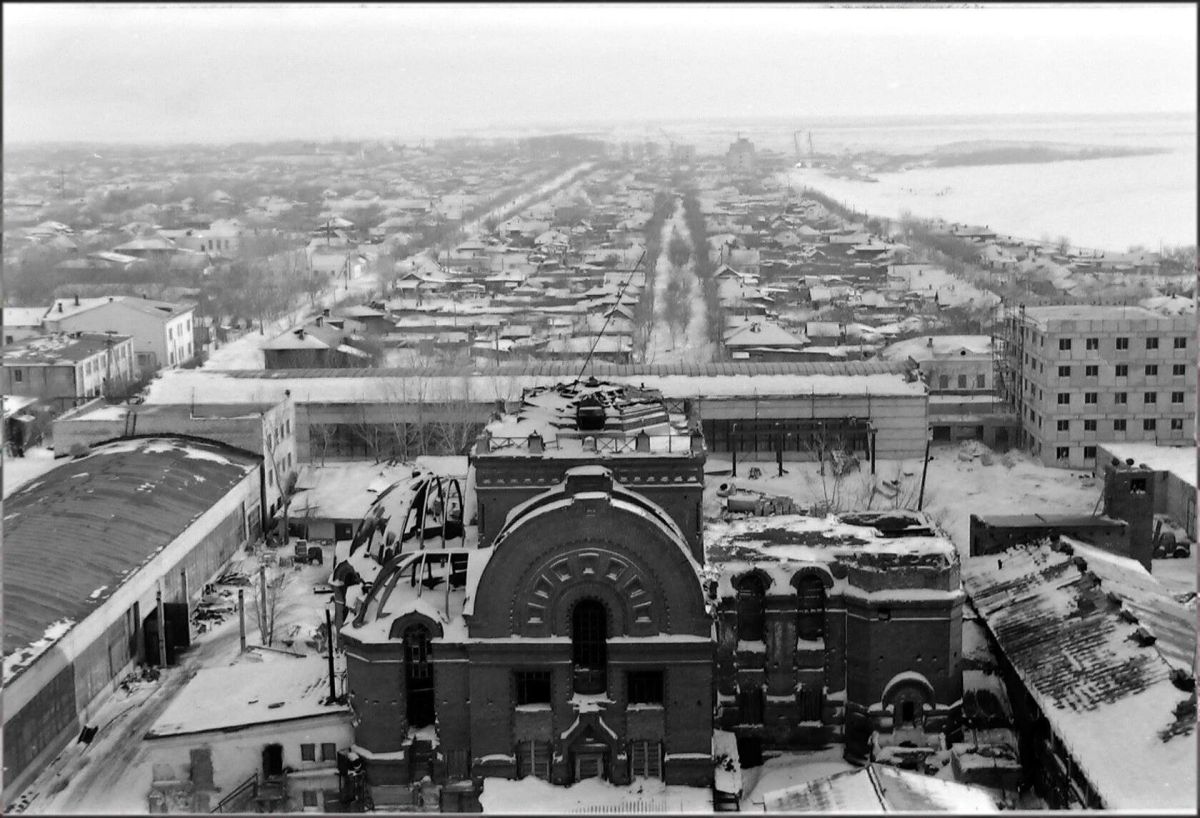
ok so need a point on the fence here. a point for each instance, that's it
(632, 806)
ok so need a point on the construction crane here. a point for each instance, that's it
(799, 155)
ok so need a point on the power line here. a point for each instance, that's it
(620, 292)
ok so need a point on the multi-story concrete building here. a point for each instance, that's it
(67, 369)
(161, 331)
(1080, 374)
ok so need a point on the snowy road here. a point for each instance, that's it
(680, 329)
(112, 774)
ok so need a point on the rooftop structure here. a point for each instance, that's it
(589, 416)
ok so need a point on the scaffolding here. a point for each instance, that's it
(1008, 353)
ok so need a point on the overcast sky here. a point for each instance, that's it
(219, 73)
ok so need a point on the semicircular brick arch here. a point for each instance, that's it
(643, 574)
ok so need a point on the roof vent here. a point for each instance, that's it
(641, 443)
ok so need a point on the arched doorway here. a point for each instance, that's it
(589, 651)
(418, 676)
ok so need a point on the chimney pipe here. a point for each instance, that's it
(76, 299)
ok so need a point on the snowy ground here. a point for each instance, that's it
(20, 470)
(112, 774)
(788, 770)
(533, 796)
(962, 480)
(954, 488)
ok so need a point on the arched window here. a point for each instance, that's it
(810, 592)
(751, 602)
(589, 632)
(418, 676)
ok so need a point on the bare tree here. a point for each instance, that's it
(677, 308)
(266, 602)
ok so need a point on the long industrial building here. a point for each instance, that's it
(88, 549)
(755, 408)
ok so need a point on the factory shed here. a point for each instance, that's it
(88, 547)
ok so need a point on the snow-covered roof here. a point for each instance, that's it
(123, 502)
(557, 413)
(781, 545)
(1178, 460)
(249, 693)
(1067, 620)
(1051, 314)
(943, 346)
(880, 788)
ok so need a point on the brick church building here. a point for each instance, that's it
(589, 623)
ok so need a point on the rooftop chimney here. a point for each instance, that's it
(641, 443)
(300, 333)
(76, 299)
(60, 306)
(536, 445)
(320, 318)
(325, 312)
(929, 343)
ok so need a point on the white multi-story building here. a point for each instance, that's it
(162, 332)
(1084, 374)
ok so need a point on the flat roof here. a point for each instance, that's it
(199, 411)
(718, 381)
(1093, 312)
(276, 689)
(73, 535)
(1178, 460)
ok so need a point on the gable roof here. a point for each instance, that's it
(1061, 616)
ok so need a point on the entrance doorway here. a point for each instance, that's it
(272, 760)
(178, 633)
(590, 760)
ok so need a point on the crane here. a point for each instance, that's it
(799, 155)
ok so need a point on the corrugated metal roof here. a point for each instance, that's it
(89, 523)
(1062, 618)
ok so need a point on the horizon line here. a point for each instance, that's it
(576, 125)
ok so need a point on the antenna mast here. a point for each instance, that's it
(620, 292)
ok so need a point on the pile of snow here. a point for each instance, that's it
(20, 470)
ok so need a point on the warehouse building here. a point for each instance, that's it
(756, 409)
(90, 548)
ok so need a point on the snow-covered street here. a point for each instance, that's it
(112, 773)
(680, 329)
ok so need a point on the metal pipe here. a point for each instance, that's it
(263, 628)
(924, 470)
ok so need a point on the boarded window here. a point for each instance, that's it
(645, 759)
(533, 758)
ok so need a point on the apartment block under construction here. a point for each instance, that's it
(1079, 374)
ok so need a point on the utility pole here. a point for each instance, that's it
(329, 653)
(242, 618)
